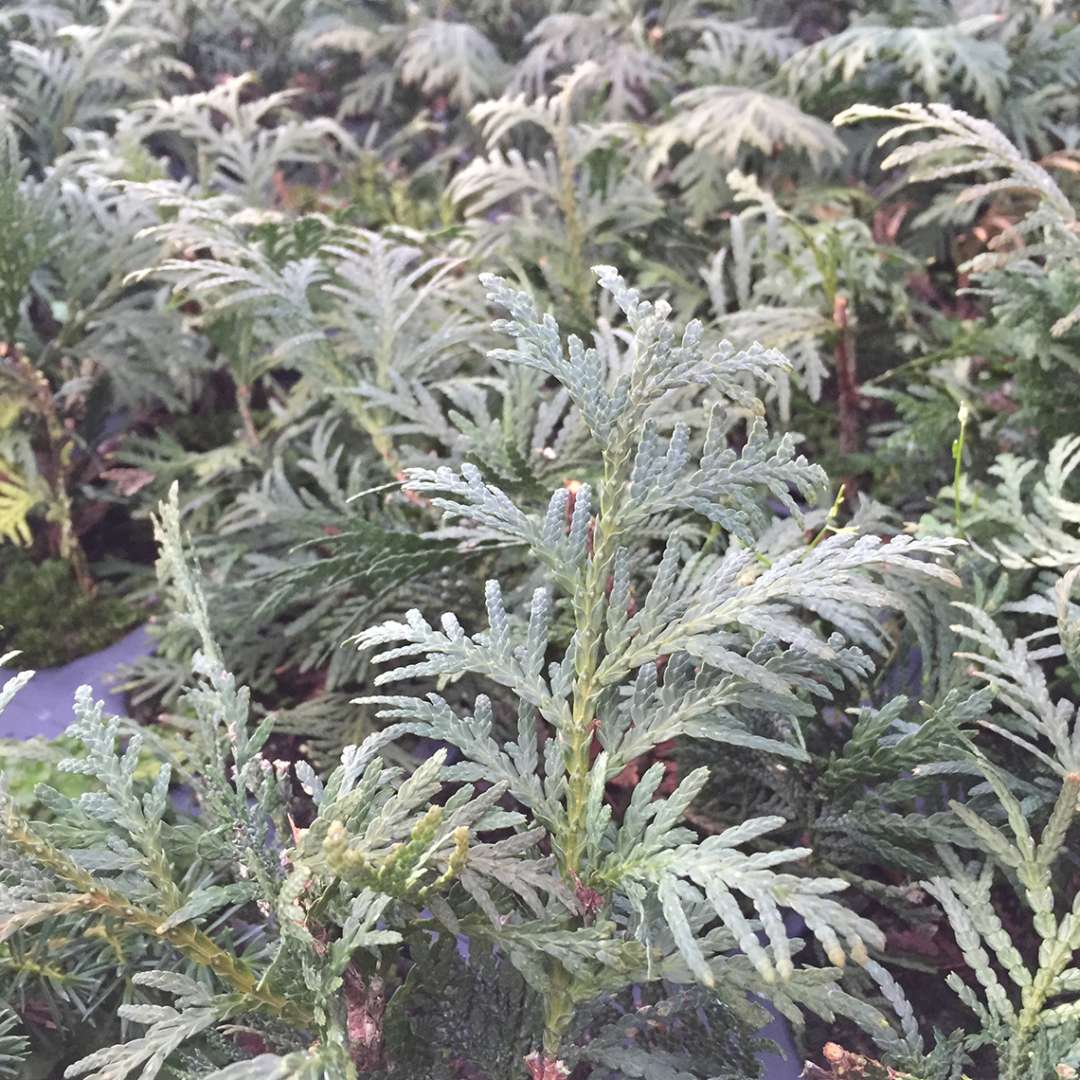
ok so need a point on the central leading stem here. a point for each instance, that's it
(589, 603)
(589, 617)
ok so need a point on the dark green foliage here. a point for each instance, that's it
(686, 1035)
(462, 1010)
(1037, 362)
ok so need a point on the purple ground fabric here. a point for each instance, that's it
(775, 1066)
(43, 706)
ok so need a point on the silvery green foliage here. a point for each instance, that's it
(86, 340)
(1024, 517)
(73, 239)
(966, 146)
(720, 124)
(380, 338)
(452, 57)
(71, 64)
(423, 48)
(683, 646)
(967, 53)
(1025, 341)
(633, 69)
(594, 203)
(1011, 62)
(691, 612)
(293, 550)
(376, 320)
(237, 915)
(227, 144)
(322, 1064)
(1024, 1006)
(777, 279)
(1011, 668)
(870, 797)
(728, 106)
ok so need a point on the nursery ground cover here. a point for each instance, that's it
(600, 481)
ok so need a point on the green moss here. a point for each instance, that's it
(26, 764)
(49, 619)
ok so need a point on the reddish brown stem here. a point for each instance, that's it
(847, 388)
